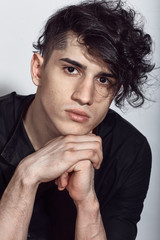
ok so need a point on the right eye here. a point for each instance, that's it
(71, 70)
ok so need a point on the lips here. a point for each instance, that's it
(77, 115)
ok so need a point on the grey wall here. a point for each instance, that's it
(20, 22)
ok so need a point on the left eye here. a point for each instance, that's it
(71, 70)
(103, 80)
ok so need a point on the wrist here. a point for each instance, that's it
(26, 176)
(89, 204)
(89, 223)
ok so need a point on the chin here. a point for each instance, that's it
(76, 131)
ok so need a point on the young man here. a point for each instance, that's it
(87, 56)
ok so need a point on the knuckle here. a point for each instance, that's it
(97, 145)
(99, 139)
(69, 146)
(87, 163)
(66, 155)
(91, 153)
(69, 138)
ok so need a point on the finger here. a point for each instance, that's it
(62, 181)
(60, 188)
(77, 166)
(56, 181)
(82, 138)
(66, 142)
(91, 145)
(73, 156)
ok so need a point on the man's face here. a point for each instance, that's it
(73, 91)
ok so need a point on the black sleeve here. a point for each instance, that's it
(121, 214)
(6, 172)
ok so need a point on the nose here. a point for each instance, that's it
(84, 92)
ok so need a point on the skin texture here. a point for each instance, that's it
(59, 123)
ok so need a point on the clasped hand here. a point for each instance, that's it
(70, 161)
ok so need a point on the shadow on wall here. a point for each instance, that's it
(5, 90)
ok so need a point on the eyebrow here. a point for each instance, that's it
(106, 74)
(77, 64)
(73, 62)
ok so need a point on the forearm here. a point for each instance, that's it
(16, 207)
(89, 225)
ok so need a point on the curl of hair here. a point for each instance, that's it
(109, 32)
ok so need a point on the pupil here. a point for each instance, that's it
(71, 69)
(102, 80)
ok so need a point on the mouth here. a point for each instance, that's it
(77, 115)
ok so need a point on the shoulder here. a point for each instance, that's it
(10, 100)
(120, 128)
(123, 142)
(11, 108)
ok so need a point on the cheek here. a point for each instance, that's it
(53, 90)
(57, 87)
(99, 115)
(101, 109)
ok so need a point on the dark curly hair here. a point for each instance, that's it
(109, 31)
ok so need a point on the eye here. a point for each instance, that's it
(103, 80)
(71, 70)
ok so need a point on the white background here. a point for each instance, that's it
(20, 23)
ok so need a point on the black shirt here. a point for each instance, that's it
(121, 183)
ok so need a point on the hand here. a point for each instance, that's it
(78, 180)
(60, 154)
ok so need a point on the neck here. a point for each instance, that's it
(35, 126)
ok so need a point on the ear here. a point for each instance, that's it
(36, 68)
